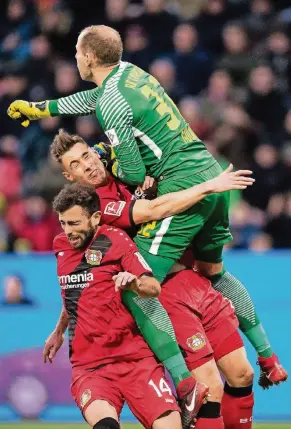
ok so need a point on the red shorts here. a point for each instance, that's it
(141, 384)
(204, 321)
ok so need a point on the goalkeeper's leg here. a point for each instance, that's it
(249, 322)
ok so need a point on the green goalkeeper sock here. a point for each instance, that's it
(157, 330)
(249, 322)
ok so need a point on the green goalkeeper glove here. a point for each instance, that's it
(108, 157)
(25, 111)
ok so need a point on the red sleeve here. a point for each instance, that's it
(117, 213)
(59, 243)
(133, 262)
(126, 251)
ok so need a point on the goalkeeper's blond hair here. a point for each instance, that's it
(104, 42)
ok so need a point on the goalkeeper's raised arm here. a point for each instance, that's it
(79, 104)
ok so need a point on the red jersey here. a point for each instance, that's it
(116, 204)
(101, 330)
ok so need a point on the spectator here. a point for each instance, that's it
(39, 184)
(14, 293)
(35, 223)
(154, 19)
(210, 23)
(10, 167)
(190, 109)
(258, 21)
(217, 96)
(165, 72)
(279, 225)
(278, 56)
(136, 45)
(36, 142)
(271, 177)
(265, 104)
(237, 59)
(193, 64)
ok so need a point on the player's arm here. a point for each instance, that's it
(145, 286)
(56, 338)
(79, 104)
(118, 122)
(177, 202)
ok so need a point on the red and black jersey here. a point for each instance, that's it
(101, 330)
(116, 204)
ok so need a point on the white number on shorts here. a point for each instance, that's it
(163, 387)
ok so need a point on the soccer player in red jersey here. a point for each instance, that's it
(195, 299)
(110, 360)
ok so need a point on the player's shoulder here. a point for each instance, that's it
(60, 243)
(117, 236)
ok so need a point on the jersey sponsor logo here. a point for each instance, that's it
(114, 208)
(85, 397)
(196, 342)
(61, 253)
(143, 261)
(75, 281)
(93, 257)
(111, 134)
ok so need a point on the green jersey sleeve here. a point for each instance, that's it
(118, 122)
(79, 104)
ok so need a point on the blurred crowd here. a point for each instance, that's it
(225, 63)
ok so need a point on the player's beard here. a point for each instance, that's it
(83, 237)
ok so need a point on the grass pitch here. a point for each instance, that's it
(124, 426)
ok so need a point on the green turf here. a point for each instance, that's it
(128, 426)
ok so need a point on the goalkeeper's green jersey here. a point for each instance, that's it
(145, 127)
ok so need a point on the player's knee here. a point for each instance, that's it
(107, 423)
(209, 375)
(243, 376)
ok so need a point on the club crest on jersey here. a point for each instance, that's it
(93, 257)
(196, 342)
(85, 397)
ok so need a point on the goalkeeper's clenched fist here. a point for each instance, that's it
(25, 111)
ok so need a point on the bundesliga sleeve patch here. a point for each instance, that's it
(86, 396)
(112, 136)
(114, 208)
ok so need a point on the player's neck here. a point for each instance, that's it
(99, 74)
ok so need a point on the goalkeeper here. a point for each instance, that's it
(149, 135)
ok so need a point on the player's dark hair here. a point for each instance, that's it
(63, 142)
(77, 195)
(104, 42)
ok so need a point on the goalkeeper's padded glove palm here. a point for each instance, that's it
(25, 111)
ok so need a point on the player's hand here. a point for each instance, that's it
(52, 345)
(125, 280)
(229, 180)
(148, 183)
(25, 111)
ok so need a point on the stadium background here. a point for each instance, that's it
(227, 65)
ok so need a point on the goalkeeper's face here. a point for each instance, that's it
(82, 164)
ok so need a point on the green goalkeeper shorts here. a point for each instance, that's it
(205, 226)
